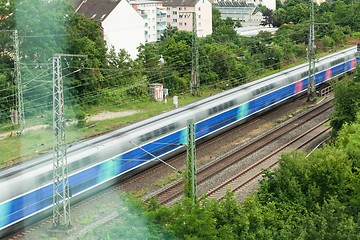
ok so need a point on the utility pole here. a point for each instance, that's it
(195, 80)
(190, 173)
(18, 89)
(311, 55)
(61, 190)
(19, 93)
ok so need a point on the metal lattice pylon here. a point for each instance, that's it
(190, 173)
(61, 195)
(311, 55)
(19, 92)
(195, 80)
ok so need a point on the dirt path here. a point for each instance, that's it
(110, 115)
(97, 117)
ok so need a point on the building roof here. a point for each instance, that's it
(240, 6)
(233, 4)
(189, 3)
(96, 9)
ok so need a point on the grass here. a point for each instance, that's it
(171, 177)
(87, 219)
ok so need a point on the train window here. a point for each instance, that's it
(304, 74)
(43, 178)
(337, 61)
(221, 107)
(157, 132)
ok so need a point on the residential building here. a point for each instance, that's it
(179, 14)
(154, 15)
(122, 26)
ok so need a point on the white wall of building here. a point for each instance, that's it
(181, 17)
(203, 10)
(124, 28)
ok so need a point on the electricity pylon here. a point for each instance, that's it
(190, 173)
(195, 80)
(19, 92)
(311, 55)
(61, 189)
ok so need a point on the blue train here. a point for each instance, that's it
(26, 189)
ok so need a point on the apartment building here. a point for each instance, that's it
(154, 15)
(180, 14)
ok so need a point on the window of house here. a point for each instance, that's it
(167, 8)
(185, 23)
(174, 20)
(168, 16)
(180, 8)
(199, 24)
(180, 24)
(199, 9)
(199, 16)
(184, 8)
(174, 12)
(180, 15)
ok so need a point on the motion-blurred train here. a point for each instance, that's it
(26, 189)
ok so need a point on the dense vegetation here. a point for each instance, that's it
(308, 197)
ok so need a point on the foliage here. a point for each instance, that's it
(346, 103)
(7, 83)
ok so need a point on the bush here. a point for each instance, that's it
(327, 42)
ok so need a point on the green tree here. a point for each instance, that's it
(7, 84)
(85, 38)
(346, 103)
(42, 31)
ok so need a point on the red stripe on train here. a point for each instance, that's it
(328, 74)
(298, 86)
(353, 63)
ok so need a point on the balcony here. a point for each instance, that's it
(161, 23)
(161, 14)
(160, 31)
(144, 15)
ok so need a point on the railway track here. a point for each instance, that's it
(174, 191)
(237, 182)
